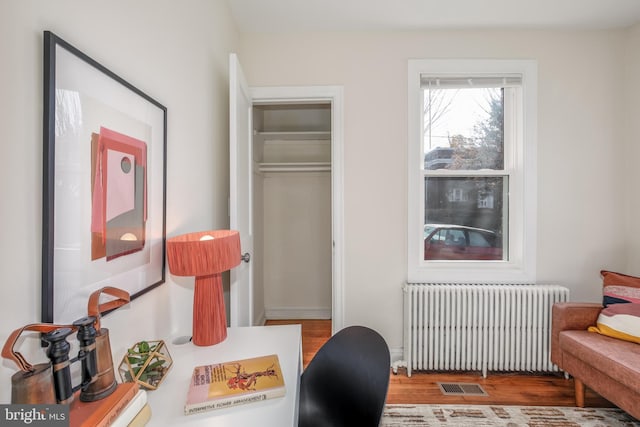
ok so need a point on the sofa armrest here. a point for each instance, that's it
(570, 316)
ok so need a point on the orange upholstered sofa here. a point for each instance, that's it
(608, 366)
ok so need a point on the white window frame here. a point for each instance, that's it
(522, 210)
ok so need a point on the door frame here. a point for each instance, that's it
(334, 95)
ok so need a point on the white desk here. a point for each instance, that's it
(167, 402)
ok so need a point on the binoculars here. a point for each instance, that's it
(58, 354)
(50, 383)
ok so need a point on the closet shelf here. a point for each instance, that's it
(294, 135)
(296, 167)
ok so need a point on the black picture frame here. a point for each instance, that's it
(104, 183)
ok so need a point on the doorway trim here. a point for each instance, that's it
(334, 95)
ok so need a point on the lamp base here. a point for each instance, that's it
(209, 312)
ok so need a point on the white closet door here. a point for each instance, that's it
(240, 208)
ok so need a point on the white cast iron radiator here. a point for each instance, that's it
(479, 327)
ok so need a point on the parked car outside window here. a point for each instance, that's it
(458, 242)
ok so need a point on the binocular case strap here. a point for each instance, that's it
(9, 353)
(95, 309)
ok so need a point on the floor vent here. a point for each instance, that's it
(461, 389)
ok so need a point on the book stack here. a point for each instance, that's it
(126, 407)
(136, 414)
(233, 383)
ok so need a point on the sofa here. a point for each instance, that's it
(609, 366)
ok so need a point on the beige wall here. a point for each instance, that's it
(296, 219)
(580, 182)
(177, 52)
(632, 152)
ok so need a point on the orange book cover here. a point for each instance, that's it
(103, 412)
(233, 383)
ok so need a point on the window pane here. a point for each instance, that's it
(466, 218)
(464, 128)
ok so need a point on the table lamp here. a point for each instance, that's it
(206, 255)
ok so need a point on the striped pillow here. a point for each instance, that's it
(620, 321)
(619, 288)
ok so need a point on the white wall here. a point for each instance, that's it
(580, 182)
(177, 52)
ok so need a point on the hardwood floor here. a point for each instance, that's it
(314, 334)
(422, 387)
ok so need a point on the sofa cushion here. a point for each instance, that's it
(620, 321)
(613, 357)
(619, 288)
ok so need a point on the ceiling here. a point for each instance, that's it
(406, 15)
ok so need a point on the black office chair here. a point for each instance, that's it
(346, 382)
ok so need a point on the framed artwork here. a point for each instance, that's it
(104, 193)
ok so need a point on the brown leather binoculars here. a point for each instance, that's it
(49, 383)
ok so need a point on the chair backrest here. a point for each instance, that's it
(346, 382)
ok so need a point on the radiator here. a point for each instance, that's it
(479, 327)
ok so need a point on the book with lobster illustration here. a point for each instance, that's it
(237, 382)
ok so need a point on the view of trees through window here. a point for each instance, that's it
(465, 184)
(470, 122)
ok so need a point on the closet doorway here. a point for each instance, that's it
(297, 203)
(292, 208)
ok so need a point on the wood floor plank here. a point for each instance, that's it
(422, 387)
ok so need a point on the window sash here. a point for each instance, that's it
(512, 117)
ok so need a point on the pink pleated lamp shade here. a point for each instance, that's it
(203, 253)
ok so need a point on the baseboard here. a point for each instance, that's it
(397, 353)
(277, 313)
(260, 319)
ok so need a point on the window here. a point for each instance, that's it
(472, 192)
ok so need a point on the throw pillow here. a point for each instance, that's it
(619, 288)
(620, 321)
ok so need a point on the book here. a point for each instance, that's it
(234, 383)
(132, 410)
(142, 418)
(103, 412)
